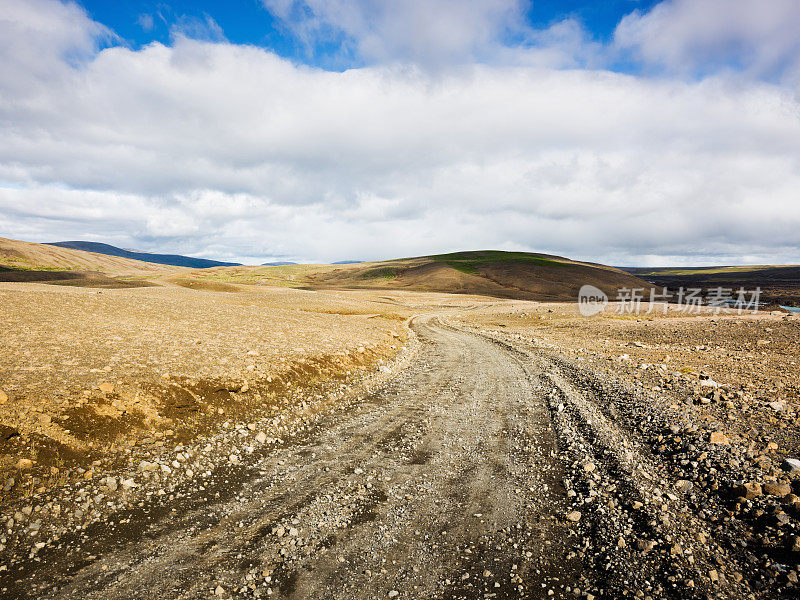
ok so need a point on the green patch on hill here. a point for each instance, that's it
(469, 262)
(380, 273)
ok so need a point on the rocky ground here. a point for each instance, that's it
(683, 436)
(89, 376)
(501, 449)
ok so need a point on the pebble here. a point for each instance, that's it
(748, 490)
(717, 437)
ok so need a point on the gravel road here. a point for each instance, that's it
(479, 471)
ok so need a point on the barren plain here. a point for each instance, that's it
(211, 437)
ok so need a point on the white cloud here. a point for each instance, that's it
(145, 21)
(431, 32)
(212, 147)
(759, 37)
(197, 28)
(39, 37)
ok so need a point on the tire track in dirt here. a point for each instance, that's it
(442, 484)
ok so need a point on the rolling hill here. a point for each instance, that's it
(494, 273)
(32, 258)
(175, 260)
(489, 272)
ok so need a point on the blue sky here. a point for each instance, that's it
(249, 22)
(630, 133)
(242, 21)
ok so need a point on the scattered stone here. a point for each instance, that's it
(645, 545)
(748, 490)
(261, 437)
(574, 516)
(106, 387)
(24, 464)
(777, 489)
(717, 437)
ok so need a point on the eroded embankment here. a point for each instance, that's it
(113, 422)
(88, 378)
(145, 482)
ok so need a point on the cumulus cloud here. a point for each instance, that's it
(211, 148)
(759, 37)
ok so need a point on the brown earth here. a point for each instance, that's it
(487, 272)
(226, 433)
(30, 256)
(490, 273)
(514, 455)
(753, 358)
(86, 374)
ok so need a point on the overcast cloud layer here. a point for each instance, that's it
(447, 136)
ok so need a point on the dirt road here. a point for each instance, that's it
(458, 479)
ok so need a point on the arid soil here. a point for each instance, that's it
(87, 374)
(519, 275)
(19, 255)
(260, 442)
(698, 415)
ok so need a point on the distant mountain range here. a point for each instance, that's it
(347, 262)
(278, 264)
(175, 260)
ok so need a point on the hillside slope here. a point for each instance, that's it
(176, 260)
(521, 275)
(30, 256)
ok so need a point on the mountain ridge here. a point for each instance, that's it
(174, 260)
